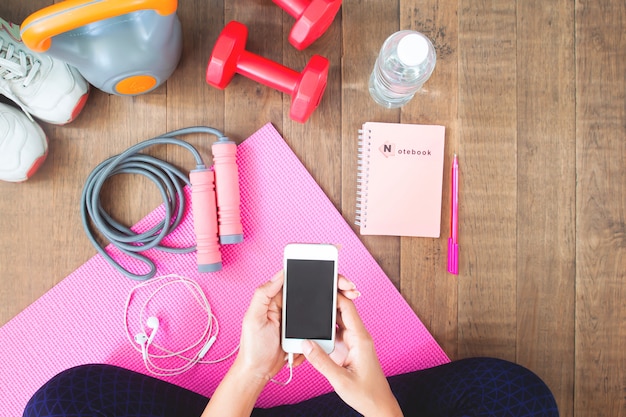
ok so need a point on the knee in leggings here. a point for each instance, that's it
(504, 379)
(55, 396)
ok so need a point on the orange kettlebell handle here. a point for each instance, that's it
(38, 28)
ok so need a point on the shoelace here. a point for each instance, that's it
(17, 65)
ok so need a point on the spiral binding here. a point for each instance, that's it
(363, 168)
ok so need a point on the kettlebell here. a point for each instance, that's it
(122, 47)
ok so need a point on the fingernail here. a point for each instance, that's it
(307, 346)
(275, 277)
(358, 293)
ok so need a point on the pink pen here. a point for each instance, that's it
(453, 241)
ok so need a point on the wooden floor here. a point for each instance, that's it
(532, 94)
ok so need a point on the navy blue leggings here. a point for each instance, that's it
(468, 387)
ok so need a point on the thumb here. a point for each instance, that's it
(263, 295)
(322, 362)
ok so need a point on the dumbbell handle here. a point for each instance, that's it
(230, 57)
(268, 72)
(294, 7)
(205, 220)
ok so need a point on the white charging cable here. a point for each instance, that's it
(290, 364)
(144, 343)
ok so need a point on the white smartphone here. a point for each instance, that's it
(309, 296)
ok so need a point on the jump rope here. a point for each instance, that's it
(214, 193)
(215, 197)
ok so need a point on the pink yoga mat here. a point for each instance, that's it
(81, 319)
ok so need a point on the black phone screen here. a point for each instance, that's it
(309, 301)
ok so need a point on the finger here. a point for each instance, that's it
(345, 284)
(278, 299)
(351, 295)
(349, 315)
(340, 353)
(298, 360)
(278, 276)
(274, 317)
(263, 295)
(347, 288)
(322, 362)
(340, 324)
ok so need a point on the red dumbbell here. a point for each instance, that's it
(229, 57)
(313, 17)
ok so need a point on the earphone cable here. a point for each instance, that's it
(208, 337)
(168, 179)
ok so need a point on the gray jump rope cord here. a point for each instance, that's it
(169, 181)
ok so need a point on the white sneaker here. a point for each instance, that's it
(23, 145)
(44, 87)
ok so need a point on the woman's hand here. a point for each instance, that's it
(360, 381)
(260, 356)
(260, 353)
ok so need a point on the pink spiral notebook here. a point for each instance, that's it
(81, 319)
(400, 179)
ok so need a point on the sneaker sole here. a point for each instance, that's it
(79, 107)
(75, 112)
(36, 165)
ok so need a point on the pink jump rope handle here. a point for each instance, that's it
(205, 220)
(227, 189)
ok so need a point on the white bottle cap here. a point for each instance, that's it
(412, 49)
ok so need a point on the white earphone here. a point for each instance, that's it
(143, 341)
(152, 323)
(141, 338)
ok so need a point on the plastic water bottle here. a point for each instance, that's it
(405, 62)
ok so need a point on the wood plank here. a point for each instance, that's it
(546, 195)
(23, 207)
(425, 283)
(600, 202)
(248, 104)
(516, 83)
(317, 142)
(52, 233)
(487, 142)
(359, 28)
(191, 101)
